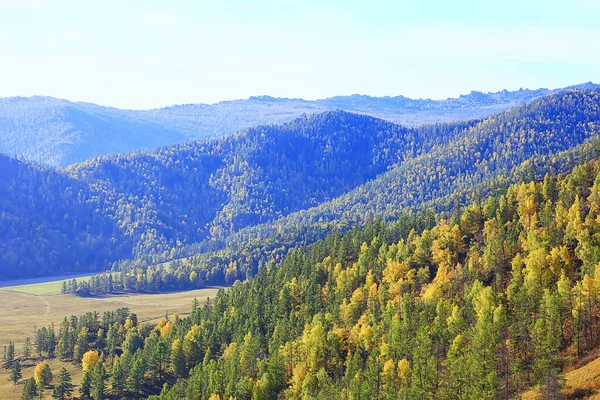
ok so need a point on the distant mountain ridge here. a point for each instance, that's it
(275, 185)
(60, 133)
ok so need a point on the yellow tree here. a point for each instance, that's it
(314, 340)
(90, 360)
(192, 348)
(42, 374)
(574, 220)
(166, 329)
(404, 377)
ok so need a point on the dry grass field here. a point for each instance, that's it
(581, 383)
(21, 310)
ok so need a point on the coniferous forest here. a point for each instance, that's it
(360, 259)
(299, 200)
(275, 186)
(483, 303)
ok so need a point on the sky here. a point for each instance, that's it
(147, 54)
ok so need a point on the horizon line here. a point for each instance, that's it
(265, 96)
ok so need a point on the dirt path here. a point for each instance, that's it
(48, 306)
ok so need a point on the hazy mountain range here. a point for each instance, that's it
(274, 185)
(59, 132)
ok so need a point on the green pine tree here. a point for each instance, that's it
(27, 348)
(63, 388)
(29, 390)
(98, 382)
(118, 378)
(136, 375)
(86, 385)
(15, 372)
(10, 352)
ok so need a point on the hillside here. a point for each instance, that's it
(487, 150)
(486, 304)
(49, 224)
(159, 201)
(288, 185)
(580, 383)
(60, 133)
(483, 305)
(523, 143)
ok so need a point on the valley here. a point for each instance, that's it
(28, 307)
(41, 286)
(279, 200)
(22, 311)
(361, 258)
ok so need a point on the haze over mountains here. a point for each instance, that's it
(278, 185)
(60, 133)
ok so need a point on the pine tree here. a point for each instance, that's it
(159, 358)
(51, 341)
(63, 388)
(111, 341)
(546, 338)
(81, 345)
(10, 352)
(457, 379)
(29, 390)
(424, 365)
(137, 373)
(485, 340)
(118, 378)
(41, 340)
(98, 384)
(27, 348)
(86, 384)
(15, 372)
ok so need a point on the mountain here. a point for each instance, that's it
(278, 186)
(60, 133)
(49, 223)
(485, 305)
(498, 299)
(552, 134)
(162, 200)
(474, 105)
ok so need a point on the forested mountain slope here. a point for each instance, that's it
(487, 150)
(523, 143)
(161, 200)
(281, 182)
(49, 224)
(480, 306)
(183, 194)
(484, 305)
(59, 132)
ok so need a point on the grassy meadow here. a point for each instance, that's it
(24, 307)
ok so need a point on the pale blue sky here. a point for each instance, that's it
(143, 54)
